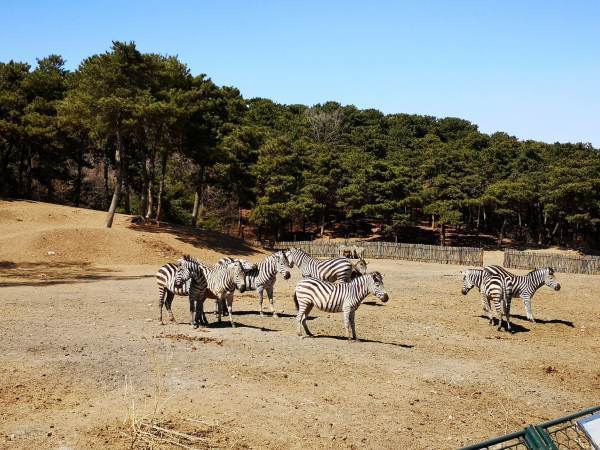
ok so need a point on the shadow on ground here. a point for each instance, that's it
(51, 273)
(206, 239)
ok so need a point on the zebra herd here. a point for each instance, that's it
(333, 285)
(498, 287)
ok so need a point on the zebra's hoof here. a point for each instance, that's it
(171, 319)
(195, 326)
(275, 315)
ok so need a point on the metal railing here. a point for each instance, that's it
(558, 434)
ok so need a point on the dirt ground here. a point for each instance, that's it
(82, 351)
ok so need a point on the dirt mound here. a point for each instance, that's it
(43, 232)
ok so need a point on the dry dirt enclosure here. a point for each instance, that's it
(82, 350)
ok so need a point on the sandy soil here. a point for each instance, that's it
(81, 346)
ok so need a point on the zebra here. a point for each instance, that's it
(223, 279)
(358, 268)
(496, 289)
(336, 297)
(473, 278)
(185, 278)
(334, 270)
(264, 275)
(525, 286)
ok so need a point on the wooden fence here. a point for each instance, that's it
(468, 256)
(560, 263)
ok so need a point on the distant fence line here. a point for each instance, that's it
(561, 263)
(468, 256)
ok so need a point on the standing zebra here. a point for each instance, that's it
(359, 268)
(334, 270)
(473, 278)
(496, 290)
(336, 297)
(185, 278)
(223, 279)
(264, 275)
(525, 286)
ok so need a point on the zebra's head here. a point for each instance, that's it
(283, 265)
(468, 280)
(182, 274)
(376, 286)
(289, 256)
(360, 266)
(549, 279)
(239, 275)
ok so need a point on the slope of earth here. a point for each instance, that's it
(83, 354)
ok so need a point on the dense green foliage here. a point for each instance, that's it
(180, 147)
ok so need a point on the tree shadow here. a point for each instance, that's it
(342, 338)
(56, 272)
(515, 327)
(199, 238)
(567, 323)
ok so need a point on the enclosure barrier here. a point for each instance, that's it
(467, 256)
(557, 434)
(560, 263)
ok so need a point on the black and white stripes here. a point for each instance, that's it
(333, 270)
(336, 297)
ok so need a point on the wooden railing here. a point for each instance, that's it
(390, 250)
(560, 263)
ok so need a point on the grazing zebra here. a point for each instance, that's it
(336, 297)
(185, 278)
(496, 290)
(358, 268)
(264, 275)
(334, 270)
(525, 286)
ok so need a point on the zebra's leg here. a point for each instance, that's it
(352, 324)
(192, 311)
(168, 304)
(229, 300)
(260, 290)
(202, 316)
(347, 324)
(507, 314)
(161, 302)
(271, 305)
(303, 311)
(527, 302)
(485, 301)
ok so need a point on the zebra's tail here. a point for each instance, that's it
(296, 302)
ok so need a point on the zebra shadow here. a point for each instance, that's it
(567, 323)
(342, 338)
(266, 314)
(371, 303)
(227, 324)
(514, 327)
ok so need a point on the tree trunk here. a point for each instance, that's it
(28, 180)
(150, 186)
(119, 155)
(161, 186)
(127, 199)
(106, 188)
(432, 222)
(78, 179)
(443, 235)
(198, 196)
(501, 237)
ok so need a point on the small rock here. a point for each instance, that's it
(51, 253)
(148, 320)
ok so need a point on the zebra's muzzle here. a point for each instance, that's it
(465, 291)
(286, 276)
(557, 287)
(242, 288)
(384, 298)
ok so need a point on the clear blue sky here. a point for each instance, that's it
(530, 68)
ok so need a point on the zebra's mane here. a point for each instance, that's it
(549, 269)
(191, 259)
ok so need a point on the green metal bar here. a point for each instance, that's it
(540, 439)
(494, 441)
(576, 415)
